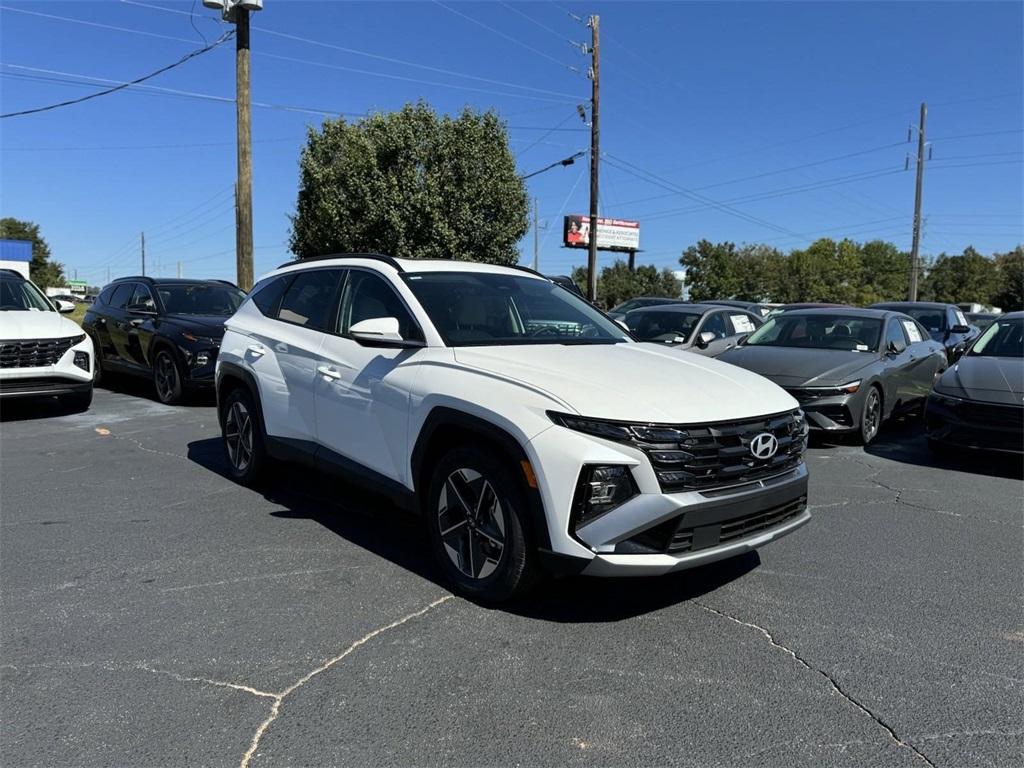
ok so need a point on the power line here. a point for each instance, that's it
(533, 21)
(159, 90)
(126, 147)
(198, 52)
(376, 56)
(547, 133)
(707, 201)
(974, 135)
(96, 24)
(511, 39)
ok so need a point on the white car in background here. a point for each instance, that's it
(41, 353)
(530, 430)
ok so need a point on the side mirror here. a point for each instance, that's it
(64, 307)
(704, 339)
(380, 332)
(893, 348)
(141, 309)
(960, 329)
(742, 340)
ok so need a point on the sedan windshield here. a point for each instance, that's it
(659, 325)
(493, 309)
(1004, 338)
(200, 298)
(842, 332)
(21, 295)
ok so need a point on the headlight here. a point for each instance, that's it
(600, 489)
(606, 429)
(200, 339)
(844, 389)
(77, 339)
(82, 360)
(944, 399)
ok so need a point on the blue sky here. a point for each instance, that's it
(793, 114)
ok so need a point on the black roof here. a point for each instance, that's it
(323, 257)
(683, 308)
(167, 280)
(912, 305)
(866, 312)
(12, 273)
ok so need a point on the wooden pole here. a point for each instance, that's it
(243, 193)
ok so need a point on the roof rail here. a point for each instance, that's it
(521, 268)
(14, 272)
(390, 260)
(132, 277)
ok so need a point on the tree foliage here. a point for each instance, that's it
(411, 184)
(967, 277)
(616, 283)
(1009, 292)
(44, 272)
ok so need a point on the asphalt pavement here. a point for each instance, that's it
(156, 614)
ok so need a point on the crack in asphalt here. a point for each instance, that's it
(833, 683)
(141, 447)
(278, 698)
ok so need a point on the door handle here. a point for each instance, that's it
(328, 373)
(281, 347)
(256, 350)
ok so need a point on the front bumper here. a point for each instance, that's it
(61, 378)
(656, 532)
(972, 424)
(834, 414)
(200, 364)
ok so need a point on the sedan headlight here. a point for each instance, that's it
(199, 339)
(843, 389)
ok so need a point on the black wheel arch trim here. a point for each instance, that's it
(441, 417)
(233, 371)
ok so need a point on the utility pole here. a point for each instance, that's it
(915, 263)
(143, 235)
(108, 274)
(595, 152)
(243, 232)
(179, 270)
(536, 237)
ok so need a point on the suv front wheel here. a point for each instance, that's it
(475, 518)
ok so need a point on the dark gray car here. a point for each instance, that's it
(706, 329)
(851, 369)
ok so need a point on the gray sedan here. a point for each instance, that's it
(851, 369)
(706, 329)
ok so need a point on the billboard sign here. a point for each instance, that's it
(612, 234)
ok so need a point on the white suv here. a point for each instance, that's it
(532, 432)
(41, 353)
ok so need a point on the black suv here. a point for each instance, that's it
(944, 322)
(167, 329)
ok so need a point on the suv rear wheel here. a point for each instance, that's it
(476, 522)
(243, 437)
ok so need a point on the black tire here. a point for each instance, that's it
(97, 363)
(871, 416)
(466, 541)
(242, 432)
(76, 402)
(167, 378)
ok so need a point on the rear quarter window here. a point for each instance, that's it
(266, 295)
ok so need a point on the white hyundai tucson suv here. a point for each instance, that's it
(41, 353)
(533, 433)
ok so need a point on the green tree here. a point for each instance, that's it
(44, 272)
(967, 277)
(885, 273)
(1009, 291)
(411, 184)
(616, 283)
(712, 270)
(757, 273)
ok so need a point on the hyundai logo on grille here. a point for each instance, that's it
(764, 446)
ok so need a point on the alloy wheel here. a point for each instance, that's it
(238, 436)
(872, 416)
(166, 376)
(472, 523)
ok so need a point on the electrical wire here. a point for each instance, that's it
(84, 22)
(127, 147)
(544, 135)
(533, 21)
(511, 39)
(198, 52)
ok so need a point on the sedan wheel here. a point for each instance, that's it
(871, 416)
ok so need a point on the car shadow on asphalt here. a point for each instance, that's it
(903, 441)
(30, 409)
(374, 523)
(137, 386)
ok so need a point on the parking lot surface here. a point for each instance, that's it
(154, 613)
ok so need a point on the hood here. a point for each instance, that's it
(798, 367)
(16, 325)
(203, 325)
(989, 379)
(633, 382)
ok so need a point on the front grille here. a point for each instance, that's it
(991, 415)
(719, 455)
(34, 353)
(693, 539)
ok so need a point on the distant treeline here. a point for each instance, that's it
(847, 272)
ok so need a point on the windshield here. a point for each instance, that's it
(932, 319)
(659, 325)
(1004, 338)
(21, 296)
(488, 309)
(843, 332)
(200, 299)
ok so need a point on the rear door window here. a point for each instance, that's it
(310, 299)
(119, 300)
(715, 323)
